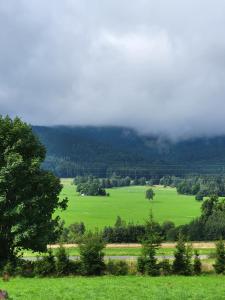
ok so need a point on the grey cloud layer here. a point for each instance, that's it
(157, 66)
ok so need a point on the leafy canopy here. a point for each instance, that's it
(29, 196)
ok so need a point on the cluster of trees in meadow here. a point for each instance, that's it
(113, 181)
(92, 186)
(200, 186)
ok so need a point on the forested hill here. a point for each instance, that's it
(100, 151)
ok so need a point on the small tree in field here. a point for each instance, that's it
(182, 258)
(219, 265)
(62, 262)
(149, 194)
(91, 254)
(147, 263)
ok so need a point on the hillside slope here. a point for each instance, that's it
(101, 150)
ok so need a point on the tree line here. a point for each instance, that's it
(209, 226)
(91, 259)
(199, 186)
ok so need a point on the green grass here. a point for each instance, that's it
(130, 204)
(124, 252)
(210, 287)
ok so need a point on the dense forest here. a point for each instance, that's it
(101, 151)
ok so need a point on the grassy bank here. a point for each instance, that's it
(210, 287)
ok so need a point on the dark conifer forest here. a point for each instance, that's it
(101, 151)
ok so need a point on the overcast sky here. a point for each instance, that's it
(157, 66)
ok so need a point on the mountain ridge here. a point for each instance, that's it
(75, 150)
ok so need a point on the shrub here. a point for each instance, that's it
(91, 254)
(182, 258)
(74, 267)
(167, 227)
(150, 244)
(62, 263)
(25, 269)
(165, 267)
(9, 269)
(199, 196)
(117, 267)
(141, 262)
(219, 265)
(197, 267)
(45, 266)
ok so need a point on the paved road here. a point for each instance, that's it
(119, 257)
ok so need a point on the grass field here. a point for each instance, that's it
(210, 287)
(123, 252)
(130, 204)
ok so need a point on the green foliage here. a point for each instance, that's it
(62, 263)
(117, 267)
(28, 195)
(102, 151)
(165, 267)
(9, 268)
(202, 186)
(91, 188)
(199, 196)
(150, 244)
(130, 204)
(91, 254)
(45, 265)
(182, 258)
(197, 266)
(25, 268)
(149, 194)
(219, 265)
(168, 228)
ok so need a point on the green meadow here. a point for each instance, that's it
(130, 204)
(123, 251)
(210, 287)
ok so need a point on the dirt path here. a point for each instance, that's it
(196, 245)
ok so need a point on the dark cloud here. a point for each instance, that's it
(157, 66)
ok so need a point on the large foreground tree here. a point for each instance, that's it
(28, 195)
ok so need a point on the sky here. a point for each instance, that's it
(156, 66)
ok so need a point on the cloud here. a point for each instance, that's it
(156, 66)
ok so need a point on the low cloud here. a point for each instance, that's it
(156, 66)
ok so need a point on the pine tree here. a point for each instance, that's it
(182, 258)
(62, 262)
(147, 262)
(197, 264)
(219, 265)
(91, 248)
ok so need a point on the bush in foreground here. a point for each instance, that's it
(117, 267)
(91, 254)
(182, 258)
(219, 265)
